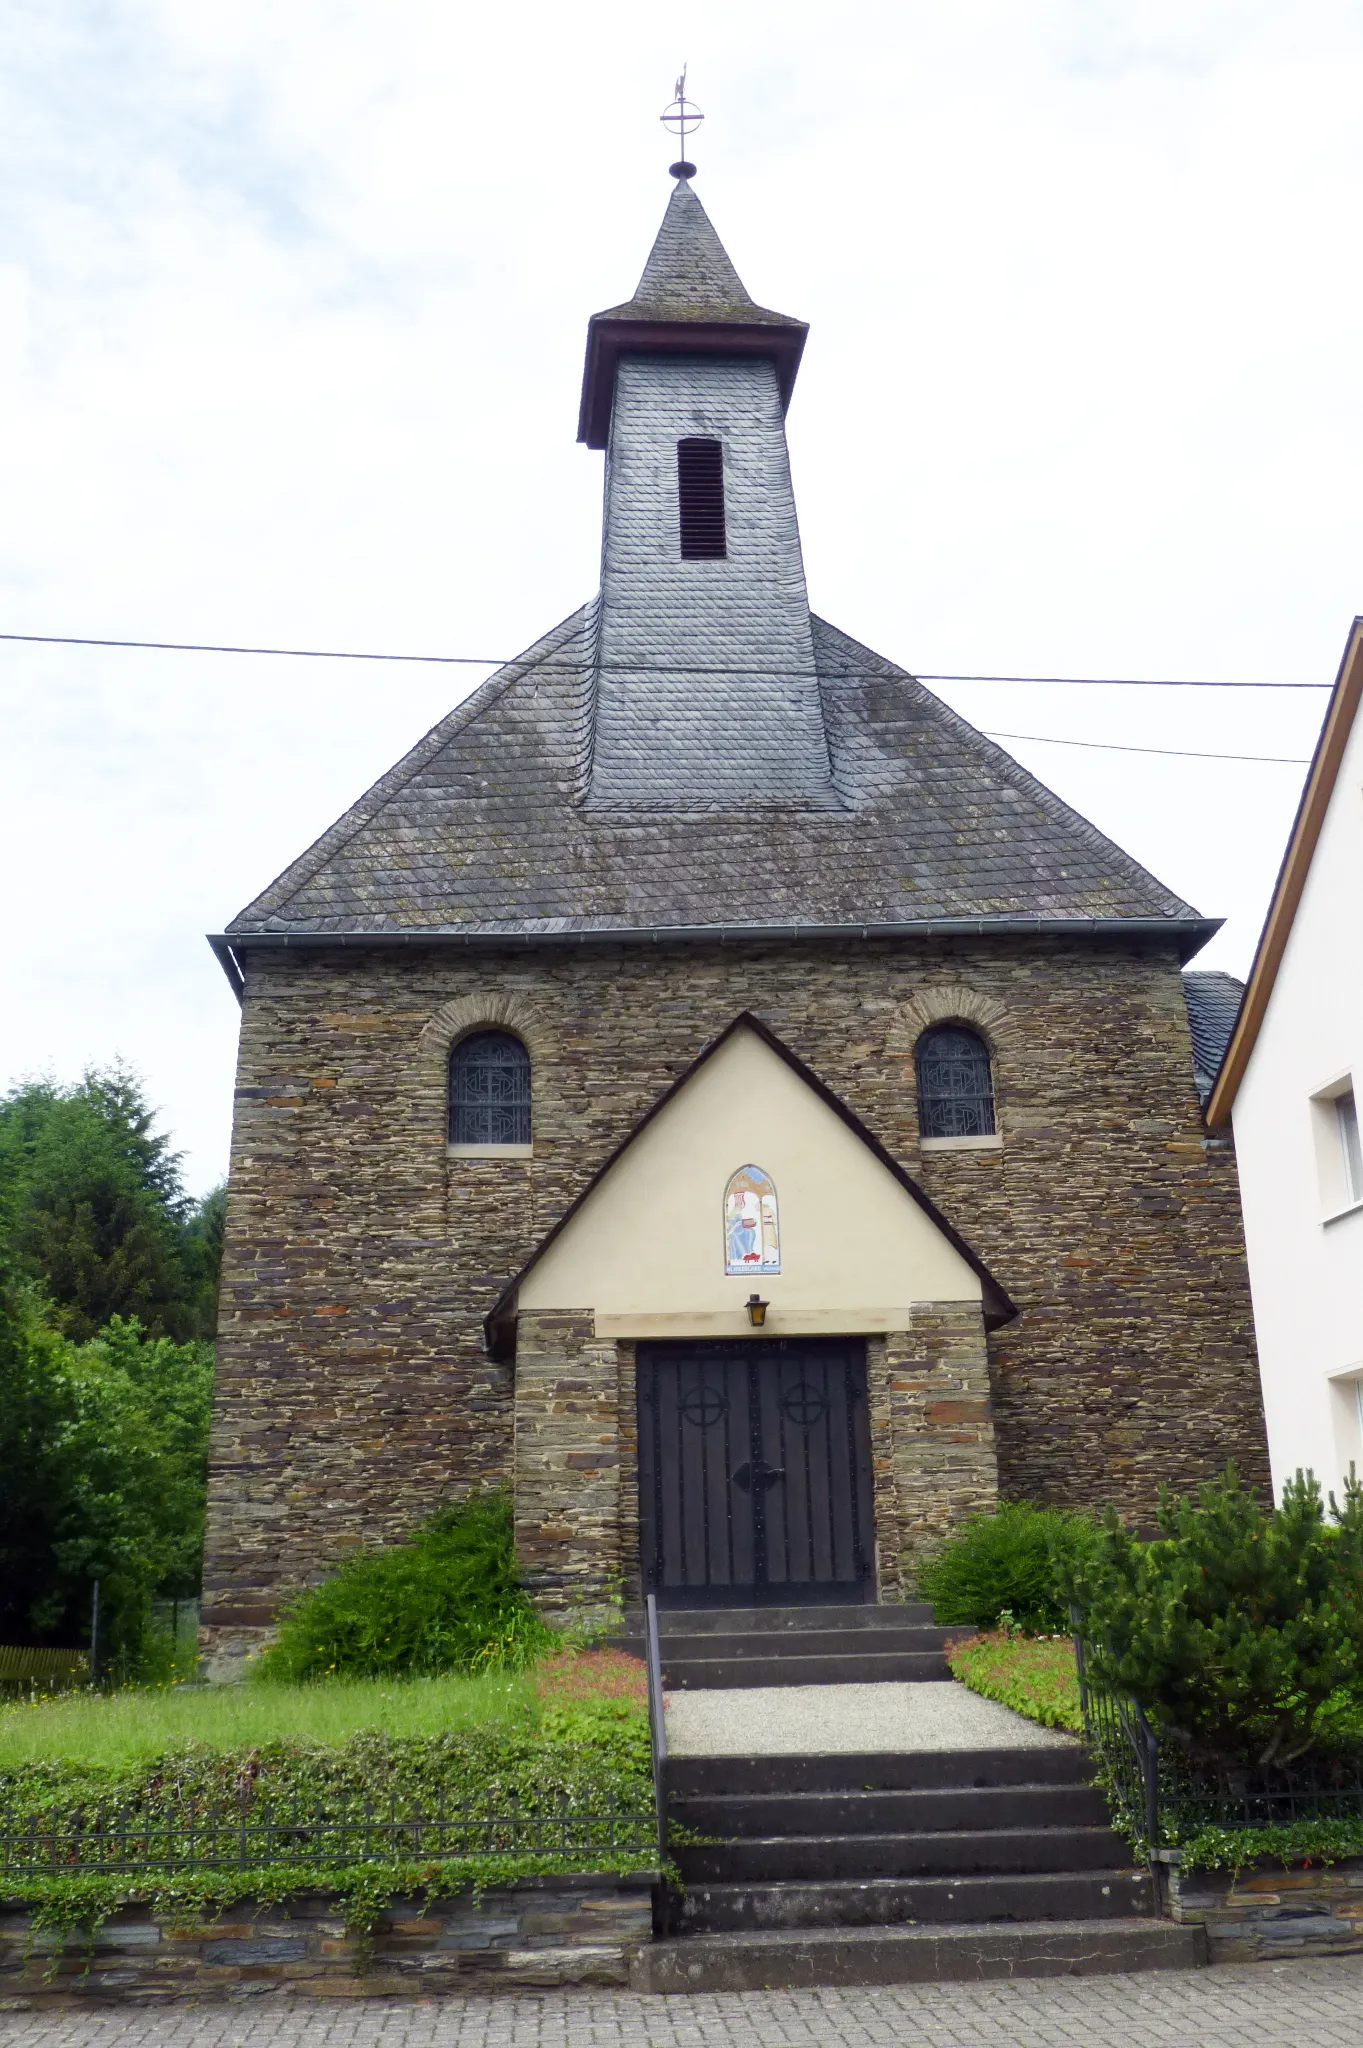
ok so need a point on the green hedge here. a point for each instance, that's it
(1001, 1567)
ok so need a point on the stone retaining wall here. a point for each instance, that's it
(1268, 1914)
(539, 1932)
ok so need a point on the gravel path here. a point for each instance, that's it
(1261, 2005)
(819, 1720)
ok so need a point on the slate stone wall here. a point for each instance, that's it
(932, 1436)
(567, 1464)
(538, 1933)
(354, 1393)
(1267, 1914)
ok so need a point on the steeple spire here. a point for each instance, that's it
(689, 301)
(688, 275)
(705, 693)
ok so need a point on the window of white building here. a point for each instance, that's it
(1339, 1148)
(1346, 1108)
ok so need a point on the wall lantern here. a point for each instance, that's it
(757, 1310)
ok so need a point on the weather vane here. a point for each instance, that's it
(682, 117)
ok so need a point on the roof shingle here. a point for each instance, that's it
(483, 827)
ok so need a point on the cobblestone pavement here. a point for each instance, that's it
(1294, 2005)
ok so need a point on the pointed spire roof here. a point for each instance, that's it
(689, 301)
(688, 275)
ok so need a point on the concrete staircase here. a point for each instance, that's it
(716, 1648)
(899, 1867)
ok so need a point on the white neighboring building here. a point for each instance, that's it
(1291, 1083)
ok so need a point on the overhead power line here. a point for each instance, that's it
(1047, 739)
(707, 668)
(722, 668)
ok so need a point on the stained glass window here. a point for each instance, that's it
(490, 1090)
(955, 1092)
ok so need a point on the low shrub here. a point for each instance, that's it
(1002, 1566)
(1035, 1676)
(590, 1764)
(448, 1601)
(1294, 1844)
(1240, 1628)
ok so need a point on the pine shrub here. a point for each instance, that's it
(449, 1600)
(1240, 1628)
(1001, 1567)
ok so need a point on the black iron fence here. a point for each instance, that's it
(164, 1836)
(1160, 1796)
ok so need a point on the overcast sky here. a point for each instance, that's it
(292, 308)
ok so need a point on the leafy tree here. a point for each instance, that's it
(94, 1210)
(1234, 1628)
(203, 1249)
(102, 1461)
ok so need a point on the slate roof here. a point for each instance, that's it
(1213, 1001)
(690, 298)
(482, 830)
(689, 276)
(883, 811)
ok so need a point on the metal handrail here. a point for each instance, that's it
(657, 1720)
(1106, 1713)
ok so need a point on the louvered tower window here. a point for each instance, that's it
(490, 1090)
(955, 1091)
(700, 495)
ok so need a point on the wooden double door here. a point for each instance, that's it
(755, 1472)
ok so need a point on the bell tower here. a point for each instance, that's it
(706, 696)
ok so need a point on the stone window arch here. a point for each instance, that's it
(481, 1008)
(955, 1083)
(489, 1093)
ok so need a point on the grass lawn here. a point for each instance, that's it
(125, 1728)
(1034, 1675)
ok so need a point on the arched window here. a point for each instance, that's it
(490, 1090)
(700, 498)
(955, 1091)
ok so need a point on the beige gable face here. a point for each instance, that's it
(647, 1251)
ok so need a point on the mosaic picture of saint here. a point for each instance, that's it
(752, 1231)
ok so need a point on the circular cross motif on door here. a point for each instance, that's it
(804, 1405)
(702, 1406)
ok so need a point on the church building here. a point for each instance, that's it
(711, 1091)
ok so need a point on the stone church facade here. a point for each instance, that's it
(704, 958)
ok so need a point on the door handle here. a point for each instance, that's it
(757, 1477)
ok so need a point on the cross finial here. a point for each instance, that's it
(682, 117)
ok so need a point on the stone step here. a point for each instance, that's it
(867, 1667)
(906, 1901)
(953, 1809)
(885, 1770)
(775, 1859)
(793, 1959)
(700, 1621)
(811, 1642)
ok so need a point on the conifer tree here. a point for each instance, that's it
(1234, 1627)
